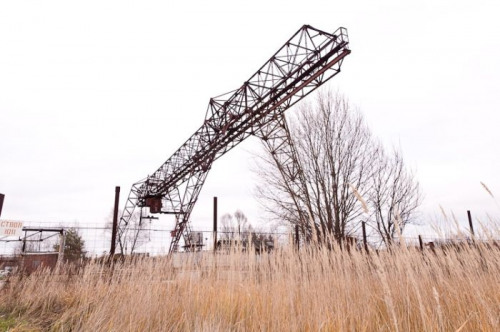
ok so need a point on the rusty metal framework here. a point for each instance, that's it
(306, 61)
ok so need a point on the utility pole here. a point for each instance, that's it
(115, 221)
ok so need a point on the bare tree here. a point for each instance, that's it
(236, 230)
(395, 196)
(235, 226)
(335, 152)
(227, 227)
(241, 222)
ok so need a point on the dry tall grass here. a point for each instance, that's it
(316, 290)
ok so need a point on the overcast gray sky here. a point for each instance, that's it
(95, 94)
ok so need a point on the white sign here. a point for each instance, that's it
(11, 228)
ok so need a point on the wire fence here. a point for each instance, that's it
(155, 238)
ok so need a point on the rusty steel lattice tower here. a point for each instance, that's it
(306, 61)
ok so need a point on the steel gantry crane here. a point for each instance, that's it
(306, 61)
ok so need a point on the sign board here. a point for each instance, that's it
(11, 228)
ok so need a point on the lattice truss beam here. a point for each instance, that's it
(306, 61)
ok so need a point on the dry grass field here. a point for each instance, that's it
(314, 290)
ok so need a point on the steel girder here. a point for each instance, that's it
(306, 61)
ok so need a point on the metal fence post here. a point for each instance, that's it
(297, 238)
(365, 242)
(62, 244)
(23, 250)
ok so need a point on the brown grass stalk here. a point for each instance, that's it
(312, 290)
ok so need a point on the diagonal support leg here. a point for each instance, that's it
(277, 140)
(130, 207)
(190, 196)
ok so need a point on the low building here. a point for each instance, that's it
(33, 261)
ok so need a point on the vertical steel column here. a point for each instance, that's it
(2, 197)
(115, 221)
(470, 223)
(215, 223)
